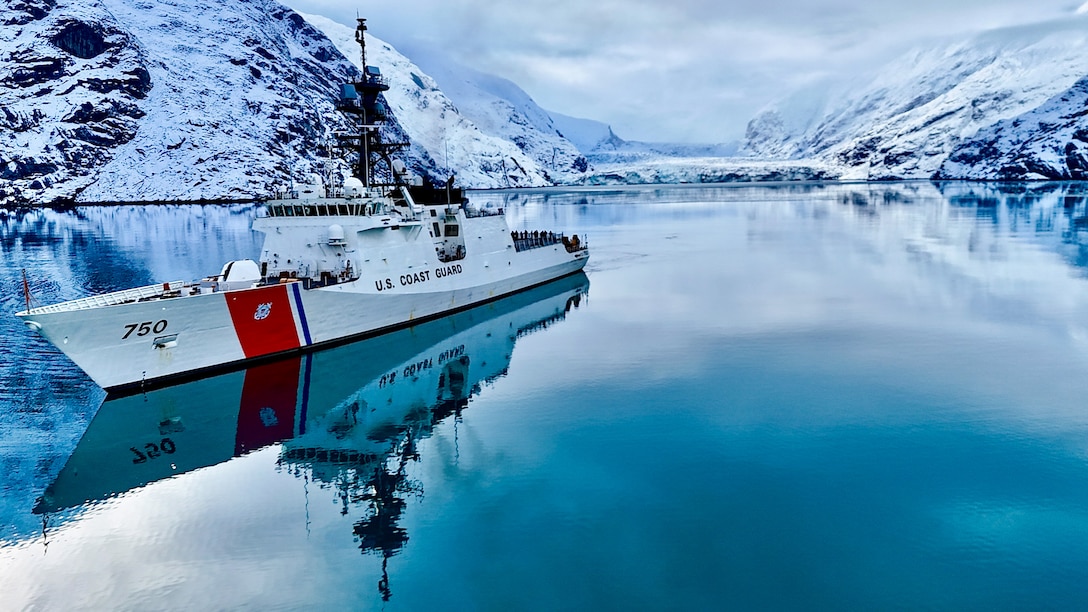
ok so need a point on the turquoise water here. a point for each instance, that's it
(761, 397)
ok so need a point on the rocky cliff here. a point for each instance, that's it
(129, 100)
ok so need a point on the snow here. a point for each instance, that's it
(187, 101)
(586, 134)
(907, 120)
(434, 123)
(37, 113)
(241, 97)
(502, 109)
(216, 129)
(1048, 142)
(485, 129)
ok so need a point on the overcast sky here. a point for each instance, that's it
(675, 70)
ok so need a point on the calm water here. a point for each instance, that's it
(802, 397)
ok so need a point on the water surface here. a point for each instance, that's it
(798, 397)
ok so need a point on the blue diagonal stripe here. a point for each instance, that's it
(301, 313)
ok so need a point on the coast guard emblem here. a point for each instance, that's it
(263, 311)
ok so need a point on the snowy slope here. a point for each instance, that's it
(244, 98)
(585, 134)
(1049, 142)
(500, 108)
(183, 100)
(73, 83)
(190, 102)
(435, 125)
(906, 121)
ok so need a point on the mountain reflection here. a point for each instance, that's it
(349, 419)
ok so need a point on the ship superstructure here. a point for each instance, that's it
(383, 250)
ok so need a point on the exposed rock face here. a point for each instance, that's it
(128, 100)
(69, 94)
(1049, 142)
(243, 99)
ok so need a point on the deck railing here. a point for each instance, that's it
(111, 299)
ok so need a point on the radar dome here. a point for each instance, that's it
(336, 234)
(353, 187)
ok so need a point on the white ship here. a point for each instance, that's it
(321, 415)
(380, 252)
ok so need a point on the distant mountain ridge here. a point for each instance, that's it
(502, 109)
(1006, 104)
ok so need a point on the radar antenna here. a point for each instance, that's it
(362, 99)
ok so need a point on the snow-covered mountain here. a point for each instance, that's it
(586, 134)
(1004, 104)
(108, 100)
(125, 100)
(129, 100)
(71, 90)
(599, 143)
(487, 140)
(500, 108)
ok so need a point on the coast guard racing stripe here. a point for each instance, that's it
(301, 313)
(267, 413)
(263, 321)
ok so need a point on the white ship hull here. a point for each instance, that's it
(176, 331)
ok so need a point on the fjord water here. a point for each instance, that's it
(786, 396)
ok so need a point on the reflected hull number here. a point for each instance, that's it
(153, 451)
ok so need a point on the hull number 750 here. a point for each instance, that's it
(145, 328)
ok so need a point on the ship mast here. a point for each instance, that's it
(362, 100)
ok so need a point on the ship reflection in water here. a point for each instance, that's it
(348, 418)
